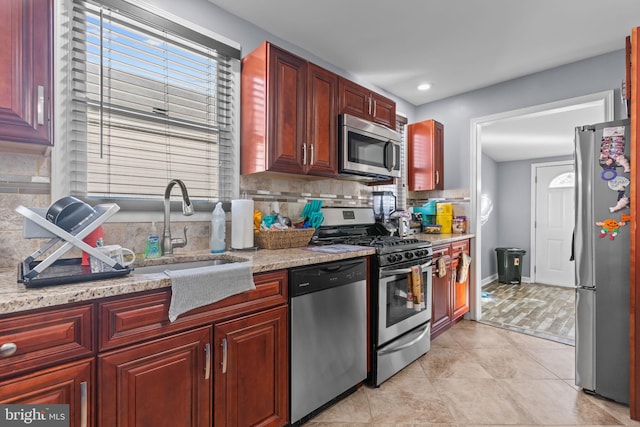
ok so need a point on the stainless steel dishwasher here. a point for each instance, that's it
(328, 305)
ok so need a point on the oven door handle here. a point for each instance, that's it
(387, 273)
(406, 345)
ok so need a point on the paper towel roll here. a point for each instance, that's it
(241, 224)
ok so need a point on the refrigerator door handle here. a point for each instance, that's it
(573, 246)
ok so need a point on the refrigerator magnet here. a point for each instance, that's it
(610, 226)
(623, 202)
(619, 183)
(608, 174)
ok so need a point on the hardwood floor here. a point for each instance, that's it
(544, 311)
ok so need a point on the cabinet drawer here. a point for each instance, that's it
(441, 251)
(47, 338)
(458, 248)
(132, 319)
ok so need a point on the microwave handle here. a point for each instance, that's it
(391, 155)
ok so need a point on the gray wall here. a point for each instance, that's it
(513, 208)
(600, 73)
(490, 228)
(216, 19)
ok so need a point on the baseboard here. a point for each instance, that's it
(489, 279)
(494, 277)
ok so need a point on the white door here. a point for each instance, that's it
(554, 222)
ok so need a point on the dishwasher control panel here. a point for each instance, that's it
(313, 278)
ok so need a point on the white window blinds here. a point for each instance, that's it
(151, 101)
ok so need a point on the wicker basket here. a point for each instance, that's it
(284, 239)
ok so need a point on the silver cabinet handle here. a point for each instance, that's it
(40, 105)
(313, 152)
(375, 104)
(7, 349)
(369, 105)
(437, 177)
(304, 154)
(207, 363)
(224, 355)
(84, 415)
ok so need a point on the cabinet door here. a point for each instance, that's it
(70, 384)
(460, 299)
(361, 102)
(322, 120)
(441, 292)
(383, 111)
(25, 70)
(166, 382)
(287, 108)
(251, 370)
(425, 146)
(354, 99)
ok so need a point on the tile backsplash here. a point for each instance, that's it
(25, 180)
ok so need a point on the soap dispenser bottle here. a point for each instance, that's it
(218, 225)
(152, 246)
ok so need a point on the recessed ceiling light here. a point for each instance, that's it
(424, 86)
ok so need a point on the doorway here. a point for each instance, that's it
(598, 108)
(553, 219)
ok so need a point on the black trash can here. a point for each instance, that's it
(510, 265)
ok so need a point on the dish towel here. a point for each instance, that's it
(197, 287)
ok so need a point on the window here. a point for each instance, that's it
(147, 100)
(564, 180)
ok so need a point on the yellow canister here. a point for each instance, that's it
(445, 222)
(444, 209)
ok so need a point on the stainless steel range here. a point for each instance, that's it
(400, 329)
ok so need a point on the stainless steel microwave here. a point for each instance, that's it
(368, 149)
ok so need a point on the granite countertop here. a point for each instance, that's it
(15, 297)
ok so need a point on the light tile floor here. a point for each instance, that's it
(476, 374)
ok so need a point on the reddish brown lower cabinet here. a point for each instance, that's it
(148, 371)
(450, 297)
(441, 289)
(164, 382)
(70, 384)
(251, 370)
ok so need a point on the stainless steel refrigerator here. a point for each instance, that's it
(601, 251)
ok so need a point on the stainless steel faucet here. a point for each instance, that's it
(169, 243)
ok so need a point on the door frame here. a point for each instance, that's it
(534, 184)
(604, 99)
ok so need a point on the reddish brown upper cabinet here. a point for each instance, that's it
(289, 114)
(361, 102)
(25, 71)
(425, 160)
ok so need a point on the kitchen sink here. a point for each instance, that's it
(159, 268)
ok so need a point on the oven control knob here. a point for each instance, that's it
(408, 255)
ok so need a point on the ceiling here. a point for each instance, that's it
(549, 133)
(455, 45)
